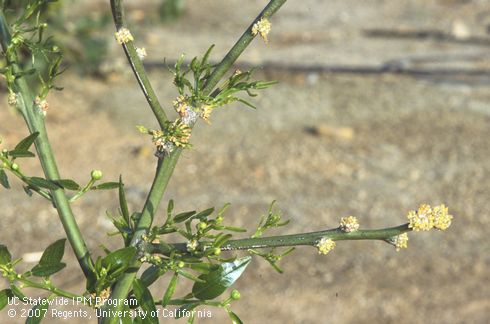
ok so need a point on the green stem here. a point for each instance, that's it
(311, 238)
(239, 47)
(137, 66)
(35, 122)
(48, 287)
(165, 168)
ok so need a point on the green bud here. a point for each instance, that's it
(235, 294)
(96, 175)
(202, 225)
(219, 220)
(181, 264)
(14, 166)
(216, 251)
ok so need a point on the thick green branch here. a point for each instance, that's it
(165, 168)
(137, 66)
(35, 122)
(291, 240)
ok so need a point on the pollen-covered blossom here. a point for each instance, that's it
(422, 219)
(185, 110)
(400, 241)
(12, 99)
(206, 112)
(349, 224)
(262, 27)
(325, 245)
(442, 219)
(141, 51)
(123, 36)
(42, 105)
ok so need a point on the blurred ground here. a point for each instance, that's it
(382, 144)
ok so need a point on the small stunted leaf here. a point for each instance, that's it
(5, 256)
(145, 301)
(182, 217)
(234, 317)
(205, 213)
(68, 184)
(26, 143)
(218, 280)
(20, 154)
(170, 289)
(4, 297)
(106, 186)
(37, 313)
(122, 202)
(4, 180)
(43, 183)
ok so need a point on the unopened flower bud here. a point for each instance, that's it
(96, 175)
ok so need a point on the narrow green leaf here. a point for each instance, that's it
(170, 208)
(26, 143)
(170, 289)
(43, 183)
(234, 317)
(4, 297)
(182, 217)
(218, 280)
(68, 184)
(190, 276)
(205, 213)
(5, 256)
(37, 313)
(145, 301)
(20, 154)
(106, 186)
(4, 180)
(122, 202)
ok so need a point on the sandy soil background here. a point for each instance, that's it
(382, 144)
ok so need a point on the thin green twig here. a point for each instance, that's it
(137, 65)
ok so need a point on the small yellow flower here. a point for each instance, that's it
(442, 220)
(180, 105)
(325, 245)
(400, 241)
(141, 51)
(42, 105)
(123, 36)
(349, 224)
(262, 27)
(422, 219)
(206, 112)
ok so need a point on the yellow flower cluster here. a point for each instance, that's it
(325, 245)
(401, 241)
(262, 27)
(349, 224)
(426, 218)
(123, 36)
(12, 99)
